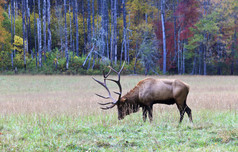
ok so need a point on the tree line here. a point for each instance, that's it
(150, 36)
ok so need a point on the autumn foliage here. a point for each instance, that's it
(3, 31)
(200, 35)
(186, 15)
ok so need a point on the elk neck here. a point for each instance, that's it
(132, 96)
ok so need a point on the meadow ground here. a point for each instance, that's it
(60, 113)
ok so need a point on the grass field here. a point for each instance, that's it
(60, 113)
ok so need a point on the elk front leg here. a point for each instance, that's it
(144, 113)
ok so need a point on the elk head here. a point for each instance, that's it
(120, 102)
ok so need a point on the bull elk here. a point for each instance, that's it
(146, 93)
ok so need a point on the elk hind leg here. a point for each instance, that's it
(144, 113)
(150, 111)
(182, 111)
(189, 112)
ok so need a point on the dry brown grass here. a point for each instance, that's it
(75, 94)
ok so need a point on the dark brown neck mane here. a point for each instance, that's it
(131, 102)
(133, 95)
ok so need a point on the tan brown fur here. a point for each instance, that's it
(150, 91)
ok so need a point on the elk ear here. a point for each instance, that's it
(123, 99)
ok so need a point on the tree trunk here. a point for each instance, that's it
(44, 27)
(219, 59)
(9, 11)
(93, 18)
(204, 61)
(89, 22)
(178, 63)
(12, 34)
(28, 27)
(128, 38)
(121, 52)
(73, 49)
(93, 26)
(115, 29)
(103, 28)
(184, 50)
(84, 33)
(164, 36)
(136, 57)
(35, 32)
(39, 39)
(16, 9)
(77, 29)
(49, 31)
(39, 34)
(112, 32)
(124, 30)
(89, 61)
(99, 7)
(194, 71)
(14, 28)
(175, 31)
(66, 42)
(94, 57)
(70, 29)
(73, 5)
(106, 28)
(200, 60)
(23, 29)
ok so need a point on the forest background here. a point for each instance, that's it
(150, 36)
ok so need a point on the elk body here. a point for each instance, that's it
(147, 93)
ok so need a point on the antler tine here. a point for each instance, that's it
(118, 93)
(105, 86)
(102, 96)
(118, 73)
(119, 85)
(105, 103)
(106, 108)
(105, 76)
(117, 81)
(122, 67)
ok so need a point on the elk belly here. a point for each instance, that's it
(168, 101)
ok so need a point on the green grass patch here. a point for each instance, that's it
(41, 132)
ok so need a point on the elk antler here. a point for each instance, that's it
(109, 93)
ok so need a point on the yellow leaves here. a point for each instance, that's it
(18, 41)
(138, 9)
(18, 44)
(76, 57)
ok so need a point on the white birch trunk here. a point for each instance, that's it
(164, 36)
(39, 39)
